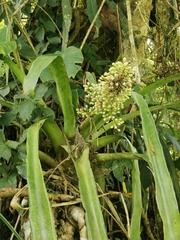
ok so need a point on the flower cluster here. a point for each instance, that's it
(107, 97)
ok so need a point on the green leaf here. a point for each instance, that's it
(37, 67)
(155, 85)
(118, 168)
(14, 68)
(46, 75)
(49, 25)
(53, 3)
(67, 16)
(94, 218)
(165, 195)
(41, 218)
(54, 40)
(5, 151)
(40, 91)
(171, 167)
(54, 133)
(47, 112)
(7, 47)
(173, 140)
(103, 141)
(71, 56)
(41, 47)
(92, 8)
(4, 91)
(10, 227)
(91, 78)
(39, 33)
(135, 227)
(136, 203)
(8, 176)
(3, 34)
(64, 94)
(25, 109)
(8, 117)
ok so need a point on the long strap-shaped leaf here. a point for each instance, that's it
(136, 197)
(42, 223)
(88, 191)
(165, 195)
(64, 94)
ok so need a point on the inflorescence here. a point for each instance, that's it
(107, 97)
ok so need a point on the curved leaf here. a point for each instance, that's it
(36, 68)
(64, 94)
(42, 222)
(71, 56)
(94, 218)
(7, 47)
(165, 195)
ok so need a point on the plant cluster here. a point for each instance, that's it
(107, 97)
(46, 47)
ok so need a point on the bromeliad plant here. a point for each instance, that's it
(85, 130)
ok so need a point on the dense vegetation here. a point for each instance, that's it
(89, 122)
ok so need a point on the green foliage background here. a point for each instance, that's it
(126, 181)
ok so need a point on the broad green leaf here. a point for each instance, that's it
(118, 168)
(36, 68)
(39, 33)
(165, 195)
(54, 40)
(25, 51)
(41, 47)
(8, 176)
(5, 151)
(7, 47)
(8, 117)
(25, 109)
(40, 91)
(40, 212)
(91, 78)
(46, 112)
(46, 75)
(71, 56)
(49, 25)
(3, 34)
(4, 91)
